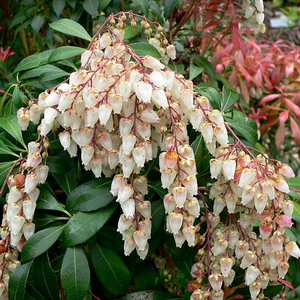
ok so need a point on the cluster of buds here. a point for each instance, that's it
(255, 15)
(251, 189)
(18, 212)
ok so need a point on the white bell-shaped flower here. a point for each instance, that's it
(41, 172)
(216, 281)
(175, 220)
(251, 274)
(149, 115)
(128, 166)
(28, 229)
(31, 182)
(128, 142)
(167, 177)
(52, 99)
(65, 139)
(189, 234)
(143, 91)
(139, 155)
(14, 195)
(179, 239)
(129, 246)
(16, 224)
(179, 194)
(29, 209)
(140, 238)
(128, 208)
(105, 111)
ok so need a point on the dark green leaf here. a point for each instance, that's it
(10, 145)
(130, 33)
(244, 127)
(229, 98)
(37, 22)
(10, 124)
(142, 5)
(70, 27)
(39, 71)
(83, 226)
(158, 214)
(75, 273)
(59, 165)
(178, 68)
(200, 155)
(83, 188)
(33, 61)
(93, 199)
(32, 293)
(142, 49)
(65, 52)
(110, 269)
(53, 74)
(77, 13)
(48, 202)
(169, 6)
(195, 71)
(17, 281)
(6, 150)
(213, 96)
(40, 242)
(144, 276)
(296, 212)
(107, 236)
(18, 98)
(42, 219)
(58, 6)
(208, 67)
(4, 169)
(91, 6)
(45, 277)
(103, 4)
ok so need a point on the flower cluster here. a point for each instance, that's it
(255, 15)
(18, 212)
(251, 189)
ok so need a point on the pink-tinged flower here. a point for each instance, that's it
(193, 207)
(129, 246)
(180, 194)
(28, 229)
(220, 246)
(169, 203)
(149, 115)
(196, 270)
(167, 177)
(226, 265)
(125, 192)
(284, 221)
(275, 257)
(171, 159)
(292, 249)
(153, 63)
(241, 248)
(216, 281)
(255, 289)
(265, 228)
(288, 207)
(145, 209)
(189, 234)
(190, 182)
(248, 259)
(286, 171)
(282, 269)
(140, 238)
(5, 54)
(233, 238)
(281, 185)
(251, 274)
(175, 222)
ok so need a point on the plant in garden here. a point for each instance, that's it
(129, 112)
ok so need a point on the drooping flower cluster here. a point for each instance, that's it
(250, 189)
(255, 15)
(18, 212)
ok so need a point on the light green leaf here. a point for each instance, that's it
(10, 145)
(91, 6)
(58, 6)
(39, 71)
(6, 150)
(37, 22)
(229, 98)
(4, 169)
(18, 280)
(195, 71)
(65, 52)
(75, 273)
(110, 269)
(33, 61)
(40, 242)
(213, 96)
(169, 6)
(83, 226)
(296, 212)
(71, 27)
(11, 125)
(18, 97)
(142, 49)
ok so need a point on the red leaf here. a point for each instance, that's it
(295, 130)
(292, 107)
(288, 284)
(268, 98)
(279, 136)
(283, 116)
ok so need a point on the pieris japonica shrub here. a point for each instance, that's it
(128, 171)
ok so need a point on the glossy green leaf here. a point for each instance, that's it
(110, 269)
(295, 184)
(45, 277)
(39, 71)
(209, 69)
(40, 242)
(142, 6)
(244, 127)
(65, 52)
(83, 188)
(18, 98)
(177, 68)
(58, 6)
(195, 71)
(53, 74)
(33, 61)
(200, 155)
(103, 4)
(142, 49)
(91, 6)
(10, 125)
(144, 276)
(213, 96)
(37, 22)
(93, 199)
(5, 150)
(10, 145)
(83, 226)
(42, 219)
(47, 201)
(158, 215)
(75, 273)
(32, 293)
(17, 281)
(169, 6)
(71, 27)
(4, 169)
(296, 212)
(228, 99)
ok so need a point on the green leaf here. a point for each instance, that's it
(158, 215)
(4, 169)
(70, 27)
(10, 145)
(32, 293)
(39, 71)
(142, 5)
(244, 127)
(296, 212)
(144, 276)
(83, 226)
(53, 74)
(58, 6)
(169, 6)
(110, 269)
(91, 6)
(142, 49)
(17, 281)
(47, 201)
(178, 68)
(208, 67)
(195, 71)
(93, 199)
(65, 52)
(11, 125)
(213, 96)
(5, 150)
(229, 98)
(37, 22)
(18, 97)
(200, 155)
(103, 4)
(75, 274)
(83, 188)
(33, 61)
(45, 277)
(40, 242)
(42, 219)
